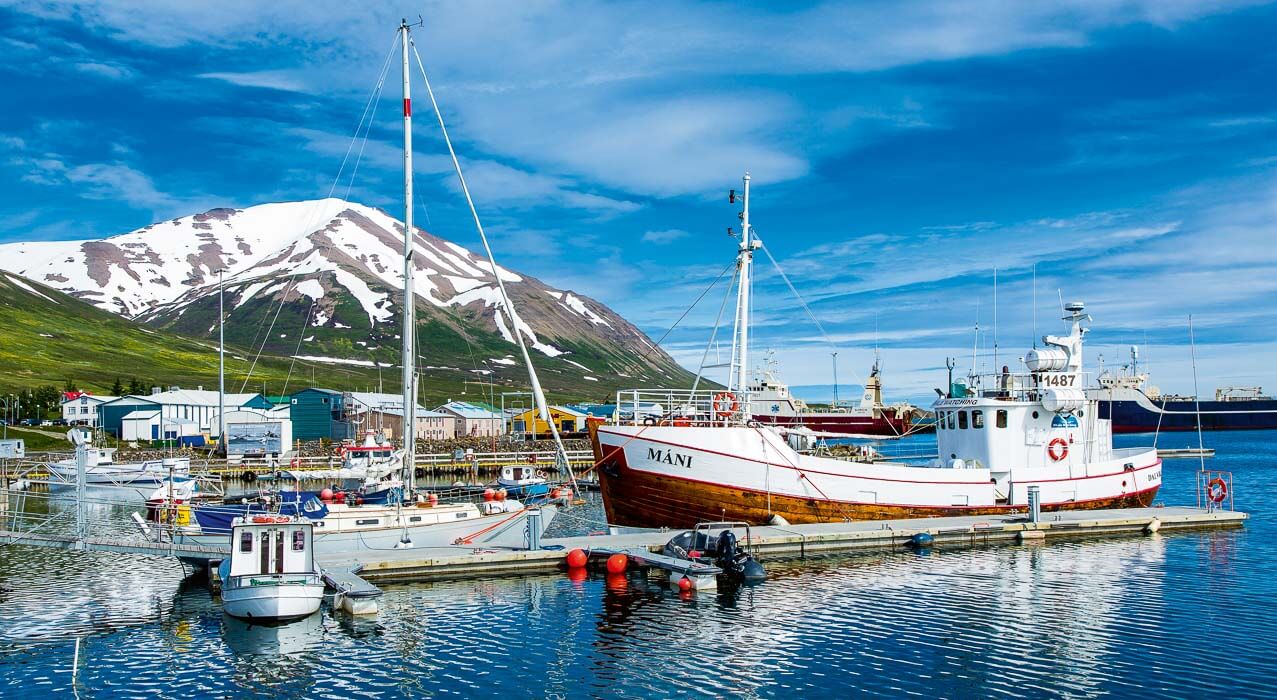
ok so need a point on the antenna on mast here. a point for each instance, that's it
(995, 319)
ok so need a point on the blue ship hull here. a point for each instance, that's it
(1181, 415)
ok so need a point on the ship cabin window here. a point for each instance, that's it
(952, 420)
(962, 420)
(246, 542)
(299, 540)
(977, 419)
(940, 420)
(1002, 418)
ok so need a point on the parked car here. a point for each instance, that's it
(58, 421)
(33, 422)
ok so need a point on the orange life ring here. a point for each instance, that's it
(1061, 453)
(725, 398)
(262, 519)
(1217, 490)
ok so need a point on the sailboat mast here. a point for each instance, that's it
(221, 367)
(746, 256)
(409, 310)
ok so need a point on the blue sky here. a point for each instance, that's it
(900, 152)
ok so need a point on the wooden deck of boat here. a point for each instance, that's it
(406, 565)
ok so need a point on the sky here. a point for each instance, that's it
(1121, 152)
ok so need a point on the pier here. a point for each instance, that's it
(794, 541)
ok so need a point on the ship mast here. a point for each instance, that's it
(740, 342)
(409, 316)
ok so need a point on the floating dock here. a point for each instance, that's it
(792, 541)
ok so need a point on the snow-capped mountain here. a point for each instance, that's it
(322, 280)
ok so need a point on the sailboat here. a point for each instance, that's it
(709, 459)
(420, 519)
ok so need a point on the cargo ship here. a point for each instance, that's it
(1135, 406)
(772, 403)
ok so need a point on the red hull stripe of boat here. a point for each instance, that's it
(609, 449)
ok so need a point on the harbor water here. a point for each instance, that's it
(1171, 615)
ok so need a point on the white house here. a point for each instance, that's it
(80, 408)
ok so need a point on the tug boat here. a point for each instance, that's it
(712, 460)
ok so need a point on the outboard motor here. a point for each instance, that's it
(736, 563)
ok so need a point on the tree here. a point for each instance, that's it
(69, 385)
(136, 387)
(117, 388)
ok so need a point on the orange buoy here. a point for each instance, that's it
(617, 563)
(501, 494)
(433, 498)
(489, 494)
(554, 493)
(326, 495)
(577, 559)
(685, 584)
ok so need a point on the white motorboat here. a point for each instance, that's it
(1010, 436)
(271, 574)
(101, 469)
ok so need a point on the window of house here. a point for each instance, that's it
(962, 420)
(977, 419)
(1002, 418)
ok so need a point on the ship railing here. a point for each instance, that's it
(1023, 386)
(681, 407)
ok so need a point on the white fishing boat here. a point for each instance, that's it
(271, 573)
(101, 469)
(709, 459)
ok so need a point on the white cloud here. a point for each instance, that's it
(288, 80)
(664, 237)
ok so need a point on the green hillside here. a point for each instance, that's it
(50, 338)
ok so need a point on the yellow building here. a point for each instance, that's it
(565, 419)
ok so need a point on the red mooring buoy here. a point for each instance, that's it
(617, 563)
(685, 584)
(577, 559)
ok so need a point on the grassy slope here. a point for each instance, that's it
(92, 348)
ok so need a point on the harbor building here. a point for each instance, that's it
(171, 414)
(569, 421)
(474, 419)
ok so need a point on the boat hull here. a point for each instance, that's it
(843, 423)
(273, 602)
(502, 530)
(705, 485)
(1135, 416)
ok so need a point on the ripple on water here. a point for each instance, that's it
(1175, 615)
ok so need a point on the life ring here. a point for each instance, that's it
(1217, 490)
(263, 519)
(1057, 455)
(724, 404)
(649, 420)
